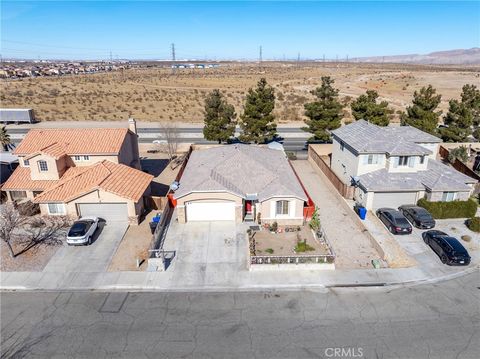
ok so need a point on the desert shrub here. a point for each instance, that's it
(454, 209)
(466, 238)
(269, 250)
(274, 227)
(474, 224)
(303, 247)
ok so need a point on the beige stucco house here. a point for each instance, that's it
(81, 172)
(395, 165)
(240, 183)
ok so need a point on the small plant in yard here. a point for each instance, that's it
(466, 238)
(474, 224)
(315, 221)
(274, 227)
(302, 246)
(269, 250)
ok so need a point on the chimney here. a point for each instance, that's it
(132, 125)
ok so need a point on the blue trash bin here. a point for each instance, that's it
(362, 212)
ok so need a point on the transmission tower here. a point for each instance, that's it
(173, 57)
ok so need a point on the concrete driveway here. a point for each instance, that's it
(93, 258)
(426, 258)
(206, 250)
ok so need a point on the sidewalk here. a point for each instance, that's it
(215, 281)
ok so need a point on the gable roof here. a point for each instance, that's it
(72, 141)
(124, 181)
(365, 137)
(20, 180)
(242, 170)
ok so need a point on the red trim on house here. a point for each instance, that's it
(309, 208)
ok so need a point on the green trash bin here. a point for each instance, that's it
(376, 263)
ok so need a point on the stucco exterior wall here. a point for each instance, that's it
(438, 195)
(93, 159)
(344, 163)
(129, 154)
(55, 168)
(294, 217)
(364, 167)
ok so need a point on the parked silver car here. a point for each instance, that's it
(82, 231)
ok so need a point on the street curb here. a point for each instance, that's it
(253, 288)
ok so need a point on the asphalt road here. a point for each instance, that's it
(428, 321)
(294, 137)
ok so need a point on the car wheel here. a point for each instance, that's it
(426, 240)
(89, 241)
(443, 258)
(390, 228)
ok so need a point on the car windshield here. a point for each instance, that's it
(79, 228)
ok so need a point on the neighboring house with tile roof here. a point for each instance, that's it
(80, 172)
(392, 166)
(240, 182)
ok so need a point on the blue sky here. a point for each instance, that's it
(145, 30)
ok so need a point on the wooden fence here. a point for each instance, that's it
(458, 165)
(345, 190)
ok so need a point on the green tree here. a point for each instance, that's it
(258, 121)
(219, 118)
(422, 114)
(459, 120)
(5, 139)
(325, 113)
(366, 107)
(459, 153)
(476, 133)
(471, 98)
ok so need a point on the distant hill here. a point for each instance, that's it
(450, 57)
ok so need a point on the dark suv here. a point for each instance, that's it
(394, 221)
(418, 216)
(449, 249)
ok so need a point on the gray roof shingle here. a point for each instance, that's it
(365, 137)
(240, 169)
(437, 177)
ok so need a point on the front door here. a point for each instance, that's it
(248, 206)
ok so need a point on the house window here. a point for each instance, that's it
(56, 208)
(26, 163)
(282, 207)
(36, 193)
(403, 161)
(448, 196)
(342, 145)
(372, 159)
(76, 158)
(42, 166)
(18, 195)
(422, 160)
(86, 158)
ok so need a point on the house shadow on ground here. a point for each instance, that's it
(154, 166)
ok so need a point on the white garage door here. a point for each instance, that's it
(110, 212)
(210, 211)
(393, 199)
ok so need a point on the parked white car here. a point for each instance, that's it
(82, 231)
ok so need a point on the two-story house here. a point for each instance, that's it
(392, 166)
(81, 172)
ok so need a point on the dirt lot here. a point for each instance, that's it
(34, 260)
(283, 244)
(152, 94)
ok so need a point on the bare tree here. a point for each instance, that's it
(10, 220)
(170, 134)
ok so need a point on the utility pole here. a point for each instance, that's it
(260, 57)
(298, 59)
(173, 58)
(111, 58)
(323, 57)
(347, 57)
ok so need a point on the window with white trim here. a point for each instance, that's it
(422, 160)
(372, 159)
(18, 195)
(448, 196)
(26, 163)
(76, 158)
(42, 166)
(86, 158)
(56, 208)
(282, 207)
(403, 160)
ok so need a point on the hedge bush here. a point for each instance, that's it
(454, 209)
(474, 224)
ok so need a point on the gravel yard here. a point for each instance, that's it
(34, 260)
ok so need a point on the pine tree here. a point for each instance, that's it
(459, 120)
(366, 107)
(325, 113)
(422, 114)
(258, 121)
(471, 98)
(219, 118)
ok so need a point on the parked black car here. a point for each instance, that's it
(418, 216)
(394, 220)
(449, 249)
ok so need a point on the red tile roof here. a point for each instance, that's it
(73, 141)
(20, 181)
(124, 181)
